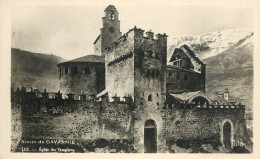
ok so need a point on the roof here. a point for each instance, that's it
(88, 58)
(96, 39)
(188, 51)
(189, 96)
(184, 96)
(220, 100)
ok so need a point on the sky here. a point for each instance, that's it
(69, 31)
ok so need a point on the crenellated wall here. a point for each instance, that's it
(44, 118)
(36, 116)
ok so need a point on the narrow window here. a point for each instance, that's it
(148, 73)
(150, 97)
(111, 15)
(186, 77)
(60, 72)
(66, 70)
(178, 76)
(157, 55)
(150, 54)
(153, 73)
(87, 70)
(170, 75)
(157, 73)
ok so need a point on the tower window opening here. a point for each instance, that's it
(150, 97)
(178, 76)
(153, 73)
(157, 73)
(112, 15)
(170, 75)
(60, 72)
(148, 73)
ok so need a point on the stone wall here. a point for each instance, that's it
(182, 80)
(190, 122)
(90, 82)
(119, 61)
(64, 119)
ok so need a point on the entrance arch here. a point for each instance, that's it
(227, 135)
(150, 137)
(199, 100)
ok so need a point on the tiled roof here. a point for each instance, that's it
(88, 58)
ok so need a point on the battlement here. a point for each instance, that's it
(35, 93)
(135, 33)
(211, 106)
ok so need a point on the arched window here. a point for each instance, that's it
(111, 15)
(66, 70)
(87, 70)
(150, 97)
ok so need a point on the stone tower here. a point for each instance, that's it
(136, 67)
(110, 31)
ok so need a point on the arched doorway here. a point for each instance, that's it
(227, 135)
(150, 137)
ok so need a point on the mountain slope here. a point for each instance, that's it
(34, 70)
(210, 44)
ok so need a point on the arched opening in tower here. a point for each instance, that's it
(227, 135)
(150, 137)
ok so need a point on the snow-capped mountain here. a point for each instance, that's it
(210, 44)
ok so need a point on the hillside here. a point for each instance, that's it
(34, 70)
(229, 58)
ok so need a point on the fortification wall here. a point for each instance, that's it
(63, 119)
(204, 122)
(120, 67)
(16, 125)
(182, 80)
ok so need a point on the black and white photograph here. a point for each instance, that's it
(130, 78)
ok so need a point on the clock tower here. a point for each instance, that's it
(110, 31)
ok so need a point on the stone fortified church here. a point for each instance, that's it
(128, 91)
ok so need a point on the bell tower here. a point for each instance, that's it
(111, 27)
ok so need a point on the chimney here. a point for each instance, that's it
(226, 94)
